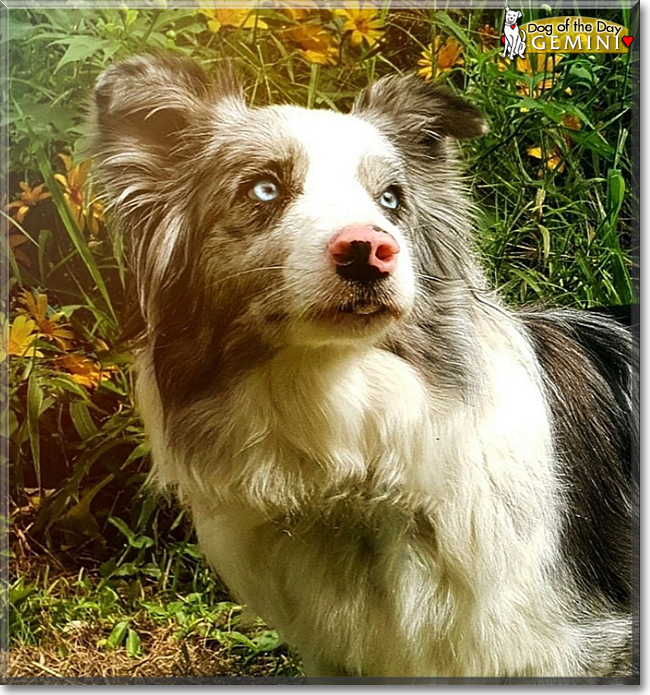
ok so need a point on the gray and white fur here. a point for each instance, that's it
(400, 473)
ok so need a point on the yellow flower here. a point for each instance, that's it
(28, 199)
(95, 217)
(18, 338)
(554, 160)
(440, 57)
(363, 23)
(76, 192)
(221, 14)
(84, 370)
(316, 44)
(426, 63)
(542, 64)
(50, 328)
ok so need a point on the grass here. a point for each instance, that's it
(69, 621)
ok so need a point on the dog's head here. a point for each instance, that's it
(512, 16)
(278, 225)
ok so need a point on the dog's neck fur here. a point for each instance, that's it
(310, 422)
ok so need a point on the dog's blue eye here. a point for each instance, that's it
(390, 198)
(264, 190)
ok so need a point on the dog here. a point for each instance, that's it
(514, 39)
(399, 472)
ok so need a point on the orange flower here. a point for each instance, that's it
(571, 122)
(364, 24)
(84, 370)
(49, 327)
(487, 36)
(316, 44)
(440, 57)
(28, 199)
(76, 192)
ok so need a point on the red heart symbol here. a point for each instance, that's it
(627, 40)
(503, 40)
(512, 26)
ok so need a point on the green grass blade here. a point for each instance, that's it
(73, 230)
(34, 404)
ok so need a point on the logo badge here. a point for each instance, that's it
(514, 38)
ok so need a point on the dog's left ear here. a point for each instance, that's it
(412, 112)
(519, 14)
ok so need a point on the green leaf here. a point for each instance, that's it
(527, 277)
(139, 452)
(12, 424)
(549, 109)
(615, 193)
(445, 20)
(579, 74)
(613, 203)
(118, 633)
(66, 383)
(267, 641)
(134, 540)
(80, 48)
(72, 227)
(594, 141)
(43, 238)
(34, 403)
(155, 609)
(122, 528)
(133, 644)
(128, 569)
(81, 419)
(15, 31)
(19, 594)
(239, 638)
(546, 241)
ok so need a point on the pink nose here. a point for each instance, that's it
(363, 253)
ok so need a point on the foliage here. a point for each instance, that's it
(552, 180)
(116, 611)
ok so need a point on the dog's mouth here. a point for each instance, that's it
(344, 311)
(361, 304)
(363, 308)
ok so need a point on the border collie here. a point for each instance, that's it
(400, 473)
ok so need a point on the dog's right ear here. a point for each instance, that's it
(150, 117)
(144, 107)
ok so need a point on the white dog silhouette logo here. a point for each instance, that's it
(514, 38)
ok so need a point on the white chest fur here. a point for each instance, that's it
(349, 506)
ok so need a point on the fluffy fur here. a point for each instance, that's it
(406, 478)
